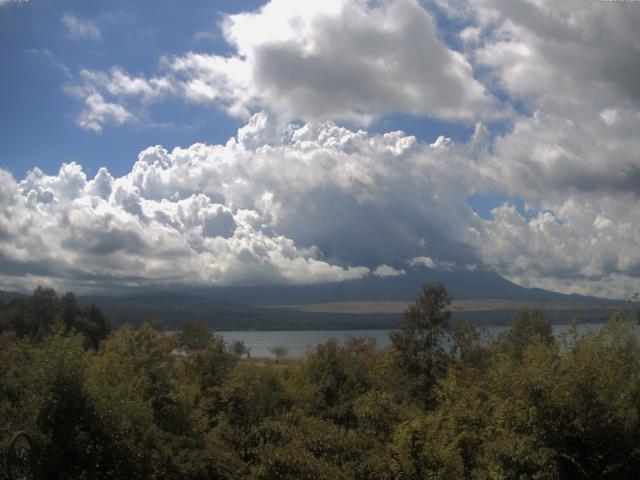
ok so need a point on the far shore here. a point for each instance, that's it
(368, 307)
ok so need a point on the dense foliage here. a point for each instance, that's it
(43, 312)
(442, 402)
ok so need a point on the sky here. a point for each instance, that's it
(291, 142)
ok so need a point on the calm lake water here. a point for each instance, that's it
(299, 342)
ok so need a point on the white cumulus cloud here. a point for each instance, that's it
(322, 204)
(340, 60)
(384, 270)
(335, 60)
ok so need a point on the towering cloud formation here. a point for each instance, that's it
(575, 66)
(326, 205)
(297, 198)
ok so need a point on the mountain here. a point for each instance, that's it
(462, 285)
(369, 303)
(6, 297)
(168, 310)
(282, 307)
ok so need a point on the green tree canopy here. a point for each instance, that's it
(194, 335)
(418, 343)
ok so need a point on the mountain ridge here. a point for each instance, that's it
(286, 307)
(489, 299)
(462, 285)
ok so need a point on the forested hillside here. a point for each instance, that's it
(441, 402)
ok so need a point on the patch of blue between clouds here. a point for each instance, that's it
(38, 122)
(449, 30)
(173, 124)
(485, 75)
(483, 203)
(423, 128)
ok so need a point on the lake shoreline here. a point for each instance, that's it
(300, 342)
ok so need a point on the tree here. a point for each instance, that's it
(88, 320)
(279, 351)
(69, 308)
(44, 307)
(333, 376)
(239, 349)
(211, 366)
(99, 326)
(529, 326)
(194, 335)
(418, 342)
(35, 316)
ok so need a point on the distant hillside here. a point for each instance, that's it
(462, 285)
(6, 297)
(168, 310)
(487, 298)
(371, 303)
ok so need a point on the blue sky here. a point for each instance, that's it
(38, 118)
(518, 152)
(38, 122)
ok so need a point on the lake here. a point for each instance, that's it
(298, 342)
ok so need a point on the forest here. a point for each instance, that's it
(442, 402)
